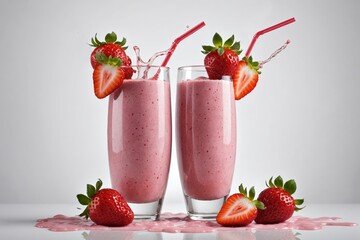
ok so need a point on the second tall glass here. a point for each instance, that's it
(206, 140)
(139, 139)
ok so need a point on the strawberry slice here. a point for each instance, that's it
(239, 209)
(107, 76)
(245, 77)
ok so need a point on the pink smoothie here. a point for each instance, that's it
(206, 137)
(139, 139)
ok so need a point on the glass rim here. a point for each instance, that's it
(198, 69)
(192, 68)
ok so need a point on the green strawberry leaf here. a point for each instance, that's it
(85, 213)
(208, 49)
(235, 46)
(114, 61)
(298, 209)
(290, 186)
(241, 189)
(271, 182)
(279, 182)
(103, 59)
(122, 43)
(299, 201)
(110, 37)
(83, 200)
(238, 52)
(98, 184)
(251, 193)
(90, 190)
(93, 43)
(98, 43)
(217, 40)
(229, 42)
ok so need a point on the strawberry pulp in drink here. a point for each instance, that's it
(206, 137)
(139, 138)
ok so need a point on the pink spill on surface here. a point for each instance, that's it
(180, 223)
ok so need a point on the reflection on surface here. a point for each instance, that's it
(221, 235)
(244, 235)
(121, 235)
(277, 235)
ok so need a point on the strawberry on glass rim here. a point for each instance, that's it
(245, 77)
(221, 59)
(279, 204)
(240, 209)
(108, 75)
(105, 206)
(111, 48)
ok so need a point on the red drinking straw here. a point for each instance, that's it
(266, 30)
(178, 40)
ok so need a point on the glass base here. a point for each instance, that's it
(147, 210)
(203, 209)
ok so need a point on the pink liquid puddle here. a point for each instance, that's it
(180, 223)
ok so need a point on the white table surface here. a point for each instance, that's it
(17, 222)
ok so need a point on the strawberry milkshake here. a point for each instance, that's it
(139, 140)
(206, 140)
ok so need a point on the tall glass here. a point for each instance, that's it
(139, 139)
(206, 140)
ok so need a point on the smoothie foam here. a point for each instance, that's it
(139, 154)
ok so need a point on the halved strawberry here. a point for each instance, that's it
(245, 77)
(108, 76)
(239, 209)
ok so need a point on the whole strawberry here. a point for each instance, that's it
(279, 204)
(105, 206)
(111, 47)
(222, 58)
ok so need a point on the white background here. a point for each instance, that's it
(301, 121)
